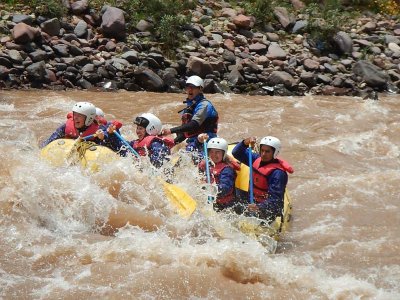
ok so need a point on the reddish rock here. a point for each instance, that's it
(229, 44)
(242, 21)
(23, 33)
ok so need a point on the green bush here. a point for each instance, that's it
(48, 8)
(170, 35)
(324, 21)
(167, 16)
(262, 10)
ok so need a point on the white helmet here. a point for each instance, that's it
(273, 142)
(87, 109)
(149, 121)
(99, 112)
(195, 80)
(218, 143)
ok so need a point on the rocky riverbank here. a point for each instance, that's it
(92, 49)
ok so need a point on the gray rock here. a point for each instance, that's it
(37, 70)
(113, 23)
(144, 25)
(299, 26)
(149, 80)
(343, 42)
(281, 77)
(131, 56)
(235, 77)
(18, 18)
(61, 49)
(51, 27)
(370, 74)
(38, 55)
(308, 78)
(15, 56)
(81, 29)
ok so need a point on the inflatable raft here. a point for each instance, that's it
(92, 156)
(71, 152)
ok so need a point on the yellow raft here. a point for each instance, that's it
(87, 154)
(252, 225)
(93, 157)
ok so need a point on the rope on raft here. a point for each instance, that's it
(78, 151)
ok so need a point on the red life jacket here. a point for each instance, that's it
(168, 141)
(141, 146)
(215, 172)
(101, 121)
(117, 124)
(72, 133)
(260, 176)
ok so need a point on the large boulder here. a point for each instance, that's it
(23, 33)
(372, 75)
(149, 80)
(198, 66)
(113, 23)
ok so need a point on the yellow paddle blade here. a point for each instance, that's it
(185, 204)
(242, 175)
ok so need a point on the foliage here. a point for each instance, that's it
(48, 8)
(325, 21)
(167, 16)
(262, 10)
(169, 31)
(390, 7)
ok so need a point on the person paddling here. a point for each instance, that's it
(148, 127)
(81, 123)
(269, 176)
(222, 171)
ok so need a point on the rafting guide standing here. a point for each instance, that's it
(199, 115)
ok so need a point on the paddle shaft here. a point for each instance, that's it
(85, 138)
(126, 144)
(250, 150)
(207, 168)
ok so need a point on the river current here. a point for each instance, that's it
(343, 242)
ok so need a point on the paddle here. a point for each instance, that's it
(185, 204)
(210, 198)
(85, 138)
(126, 144)
(251, 174)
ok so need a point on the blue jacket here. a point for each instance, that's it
(272, 206)
(204, 119)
